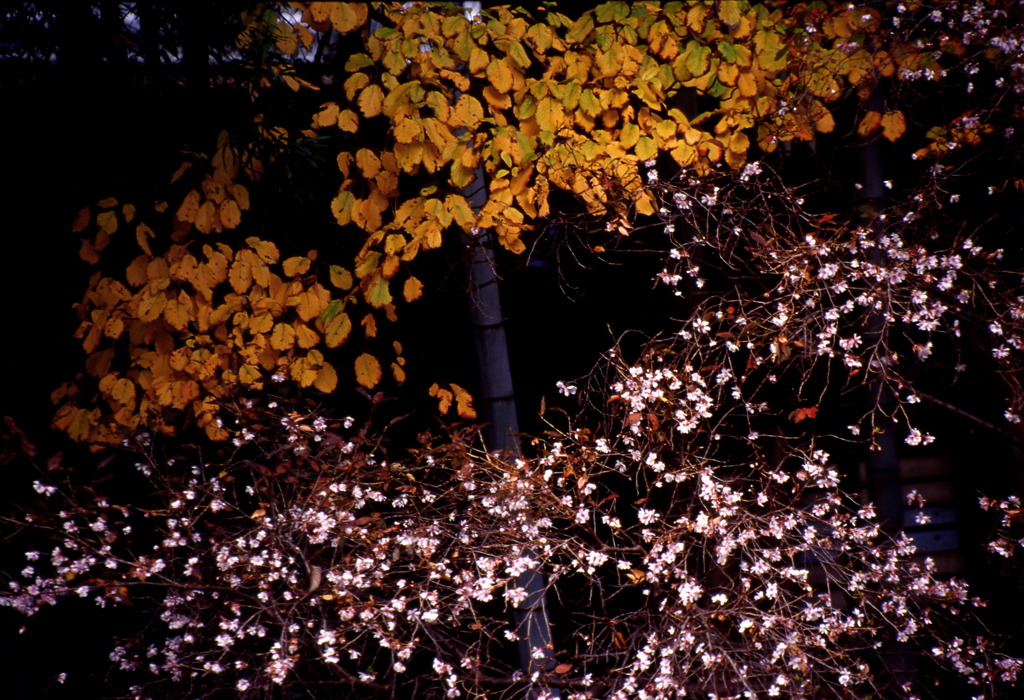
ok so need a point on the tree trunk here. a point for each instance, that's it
(497, 405)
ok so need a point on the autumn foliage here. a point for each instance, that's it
(446, 123)
(682, 504)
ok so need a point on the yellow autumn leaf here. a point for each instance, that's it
(240, 274)
(729, 11)
(346, 17)
(205, 217)
(80, 424)
(500, 75)
(326, 379)
(825, 123)
(341, 278)
(266, 250)
(305, 337)
(412, 289)
(443, 396)
(342, 207)
(463, 403)
(337, 330)
(176, 313)
(368, 371)
(348, 121)
(151, 304)
(283, 337)
(371, 99)
(189, 207)
(294, 266)
(398, 373)
(247, 374)
(894, 124)
(107, 221)
(747, 84)
(869, 123)
(312, 302)
(468, 112)
(87, 252)
(408, 130)
(327, 116)
(229, 213)
(123, 391)
(368, 162)
(304, 370)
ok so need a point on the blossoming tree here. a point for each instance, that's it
(686, 516)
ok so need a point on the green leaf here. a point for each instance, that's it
(332, 310)
(377, 292)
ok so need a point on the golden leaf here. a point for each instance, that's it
(645, 148)
(123, 391)
(368, 162)
(87, 252)
(205, 218)
(340, 277)
(305, 336)
(348, 121)
(348, 16)
(229, 213)
(285, 38)
(107, 221)
(266, 250)
(729, 11)
(247, 374)
(747, 84)
(312, 302)
(371, 99)
(337, 330)
(342, 207)
(241, 195)
(894, 124)
(412, 289)
(869, 123)
(369, 324)
(368, 371)
(728, 73)
(295, 266)
(108, 202)
(176, 311)
(142, 235)
(137, 273)
(80, 425)
(463, 403)
(114, 327)
(468, 112)
(326, 379)
(500, 75)
(444, 398)
(408, 130)
(240, 275)
(283, 337)
(189, 207)
(327, 116)
(398, 373)
(151, 304)
(825, 123)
